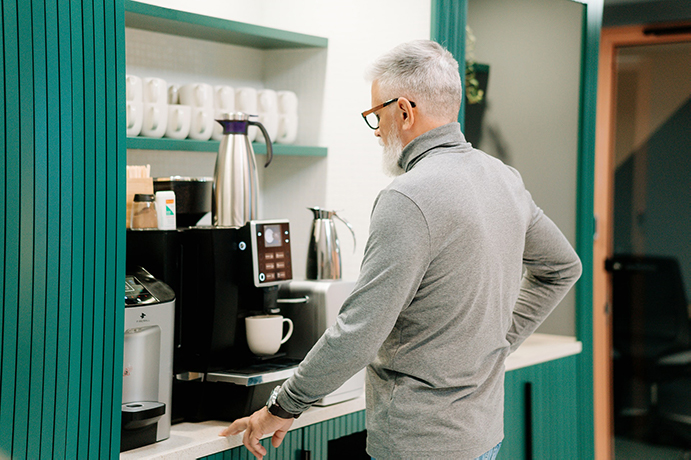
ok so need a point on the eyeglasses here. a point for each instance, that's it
(372, 119)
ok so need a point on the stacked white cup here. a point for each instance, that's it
(199, 96)
(179, 116)
(267, 106)
(155, 97)
(224, 102)
(287, 117)
(135, 115)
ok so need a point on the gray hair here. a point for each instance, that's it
(424, 72)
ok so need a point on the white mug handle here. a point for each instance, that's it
(178, 117)
(154, 118)
(130, 116)
(290, 330)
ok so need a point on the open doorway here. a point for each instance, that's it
(642, 206)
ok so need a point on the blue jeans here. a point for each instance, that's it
(489, 455)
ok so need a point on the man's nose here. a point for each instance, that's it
(377, 133)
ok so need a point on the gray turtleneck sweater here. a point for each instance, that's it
(460, 268)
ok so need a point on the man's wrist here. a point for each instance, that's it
(275, 409)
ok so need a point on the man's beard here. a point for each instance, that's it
(392, 152)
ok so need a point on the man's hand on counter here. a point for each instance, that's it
(256, 426)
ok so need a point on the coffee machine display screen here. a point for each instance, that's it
(272, 236)
(271, 252)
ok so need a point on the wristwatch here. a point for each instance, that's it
(275, 409)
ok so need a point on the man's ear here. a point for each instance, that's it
(407, 114)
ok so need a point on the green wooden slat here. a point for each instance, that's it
(11, 225)
(3, 146)
(26, 224)
(118, 218)
(90, 301)
(147, 143)
(448, 22)
(63, 388)
(164, 20)
(98, 159)
(48, 415)
(78, 221)
(592, 24)
(40, 225)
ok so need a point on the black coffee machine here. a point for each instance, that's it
(221, 276)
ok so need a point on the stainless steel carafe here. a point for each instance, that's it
(236, 186)
(324, 252)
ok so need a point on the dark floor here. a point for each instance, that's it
(627, 449)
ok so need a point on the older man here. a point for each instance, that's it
(460, 268)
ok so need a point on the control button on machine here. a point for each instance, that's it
(269, 255)
(270, 276)
(270, 265)
(279, 255)
(281, 275)
(262, 277)
(280, 265)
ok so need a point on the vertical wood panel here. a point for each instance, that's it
(53, 232)
(26, 226)
(11, 223)
(39, 250)
(62, 261)
(64, 288)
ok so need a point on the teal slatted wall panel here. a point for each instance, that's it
(62, 228)
(26, 226)
(314, 438)
(40, 213)
(448, 29)
(11, 223)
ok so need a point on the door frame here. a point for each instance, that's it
(603, 243)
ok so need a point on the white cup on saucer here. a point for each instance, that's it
(179, 119)
(155, 90)
(197, 95)
(135, 117)
(265, 333)
(155, 120)
(202, 123)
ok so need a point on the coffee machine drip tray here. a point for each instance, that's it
(256, 374)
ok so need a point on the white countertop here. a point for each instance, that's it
(194, 440)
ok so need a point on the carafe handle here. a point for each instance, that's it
(350, 227)
(269, 148)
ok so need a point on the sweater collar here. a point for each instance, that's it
(449, 135)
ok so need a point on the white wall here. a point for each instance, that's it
(350, 177)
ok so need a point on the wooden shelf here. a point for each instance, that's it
(148, 143)
(164, 20)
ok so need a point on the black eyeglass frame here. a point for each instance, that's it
(379, 107)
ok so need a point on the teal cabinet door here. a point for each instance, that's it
(541, 411)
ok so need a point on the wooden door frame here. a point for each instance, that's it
(610, 39)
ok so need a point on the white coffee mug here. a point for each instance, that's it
(202, 123)
(287, 102)
(179, 119)
(173, 94)
(133, 88)
(135, 117)
(287, 129)
(155, 90)
(155, 120)
(224, 98)
(267, 101)
(246, 100)
(197, 95)
(265, 333)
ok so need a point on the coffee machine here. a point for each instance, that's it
(147, 360)
(222, 275)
